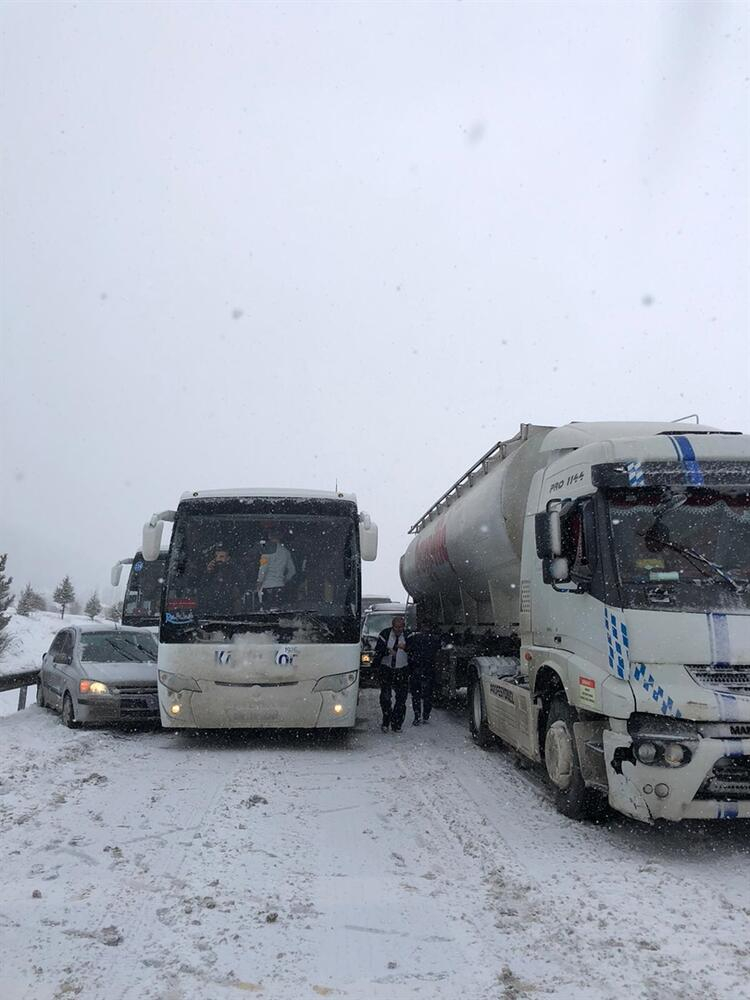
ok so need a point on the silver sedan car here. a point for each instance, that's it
(99, 673)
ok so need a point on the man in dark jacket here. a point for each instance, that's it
(422, 648)
(393, 670)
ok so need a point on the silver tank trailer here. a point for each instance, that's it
(463, 566)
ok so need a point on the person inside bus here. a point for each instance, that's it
(220, 587)
(392, 663)
(275, 571)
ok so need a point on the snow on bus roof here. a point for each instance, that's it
(264, 491)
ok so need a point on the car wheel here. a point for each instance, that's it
(572, 798)
(480, 730)
(68, 714)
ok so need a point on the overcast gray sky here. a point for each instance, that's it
(301, 244)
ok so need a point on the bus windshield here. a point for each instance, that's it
(143, 595)
(255, 567)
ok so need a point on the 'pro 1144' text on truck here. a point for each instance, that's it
(591, 585)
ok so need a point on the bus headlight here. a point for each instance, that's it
(177, 682)
(336, 682)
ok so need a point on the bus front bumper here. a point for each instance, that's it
(223, 705)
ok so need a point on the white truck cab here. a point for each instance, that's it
(630, 605)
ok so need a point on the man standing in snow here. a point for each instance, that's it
(422, 648)
(393, 668)
(275, 571)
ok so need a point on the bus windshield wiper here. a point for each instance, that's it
(311, 617)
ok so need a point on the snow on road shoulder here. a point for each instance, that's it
(30, 637)
(155, 864)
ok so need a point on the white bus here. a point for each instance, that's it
(260, 623)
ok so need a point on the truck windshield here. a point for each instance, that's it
(143, 594)
(234, 568)
(696, 552)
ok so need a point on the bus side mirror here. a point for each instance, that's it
(116, 574)
(152, 540)
(368, 540)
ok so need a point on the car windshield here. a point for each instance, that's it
(233, 566)
(376, 622)
(703, 543)
(118, 647)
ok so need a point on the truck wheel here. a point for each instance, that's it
(572, 798)
(480, 730)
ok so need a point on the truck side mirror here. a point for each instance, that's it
(559, 569)
(368, 540)
(548, 533)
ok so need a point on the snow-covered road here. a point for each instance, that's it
(154, 864)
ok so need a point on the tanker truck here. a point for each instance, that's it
(590, 584)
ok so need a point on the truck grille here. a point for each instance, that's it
(729, 780)
(733, 680)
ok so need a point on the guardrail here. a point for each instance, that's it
(21, 679)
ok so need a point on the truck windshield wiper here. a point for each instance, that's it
(696, 557)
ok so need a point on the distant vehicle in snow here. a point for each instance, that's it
(374, 620)
(100, 674)
(261, 612)
(591, 585)
(369, 599)
(142, 603)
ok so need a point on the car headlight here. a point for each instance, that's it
(177, 682)
(92, 687)
(336, 682)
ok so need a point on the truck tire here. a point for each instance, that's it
(572, 798)
(480, 730)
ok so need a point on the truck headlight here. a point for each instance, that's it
(674, 754)
(366, 658)
(92, 687)
(646, 753)
(661, 753)
(177, 682)
(336, 682)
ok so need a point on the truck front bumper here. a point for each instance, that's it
(714, 784)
